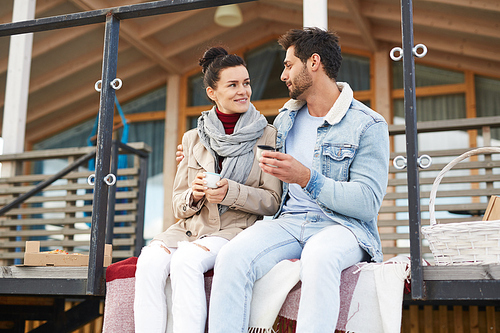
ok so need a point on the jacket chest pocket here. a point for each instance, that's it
(336, 160)
(193, 168)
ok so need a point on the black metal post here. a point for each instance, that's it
(141, 205)
(95, 281)
(110, 220)
(417, 286)
(99, 15)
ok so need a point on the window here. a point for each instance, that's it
(355, 70)
(196, 92)
(265, 65)
(426, 76)
(488, 100)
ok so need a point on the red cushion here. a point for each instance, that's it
(121, 269)
(126, 269)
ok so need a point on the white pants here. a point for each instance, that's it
(186, 266)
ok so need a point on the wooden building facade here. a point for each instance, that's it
(459, 78)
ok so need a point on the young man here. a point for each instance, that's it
(333, 160)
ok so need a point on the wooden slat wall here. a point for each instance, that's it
(440, 319)
(60, 215)
(450, 319)
(416, 319)
(466, 187)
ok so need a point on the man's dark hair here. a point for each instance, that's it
(315, 40)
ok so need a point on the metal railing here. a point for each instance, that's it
(111, 17)
(118, 148)
(445, 289)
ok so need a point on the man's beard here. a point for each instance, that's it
(300, 84)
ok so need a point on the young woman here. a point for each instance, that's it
(224, 142)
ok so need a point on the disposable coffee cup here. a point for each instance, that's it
(212, 179)
(261, 148)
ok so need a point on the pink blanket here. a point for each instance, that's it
(349, 280)
(371, 297)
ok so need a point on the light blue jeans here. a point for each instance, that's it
(325, 249)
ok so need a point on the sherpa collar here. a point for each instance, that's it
(338, 110)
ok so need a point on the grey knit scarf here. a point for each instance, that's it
(236, 148)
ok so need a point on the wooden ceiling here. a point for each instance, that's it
(459, 34)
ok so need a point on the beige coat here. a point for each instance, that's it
(260, 196)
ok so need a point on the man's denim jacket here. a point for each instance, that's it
(350, 165)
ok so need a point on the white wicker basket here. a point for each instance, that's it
(462, 243)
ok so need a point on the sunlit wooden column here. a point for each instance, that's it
(17, 86)
(315, 13)
(171, 135)
(382, 82)
(382, 104)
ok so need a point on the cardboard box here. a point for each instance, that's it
(493, 210)
(33, 257)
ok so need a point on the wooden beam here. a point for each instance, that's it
(157, 24)
(382, 83)
(170, 146)
(293, 17)
(55, 40)
(193, 40)
(149, 49)
(280, 15)
(255, 34)
(487, 5)
(445, 89)
(84, 92)
(270, 107)
(68, 69)
(259, 35)
(45, 5)
(477, 26)
(460, 62)
(129, 32)
(144, 116)
(251, 15)
(41, 7)
(362, 23)
(452, 45)
(52, 125)
(333, 6)
(92, 57)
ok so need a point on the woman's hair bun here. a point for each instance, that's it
(210, 55)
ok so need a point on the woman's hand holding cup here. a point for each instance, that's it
(198, 187)
(209, 185)
(215, 187)
(211, 179)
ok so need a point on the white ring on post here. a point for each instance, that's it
(395, 162)
(114, 82)
(97, 84)
(424, 50)
(393, 51)
(108, 181)
(424, 157)
(91, 179)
